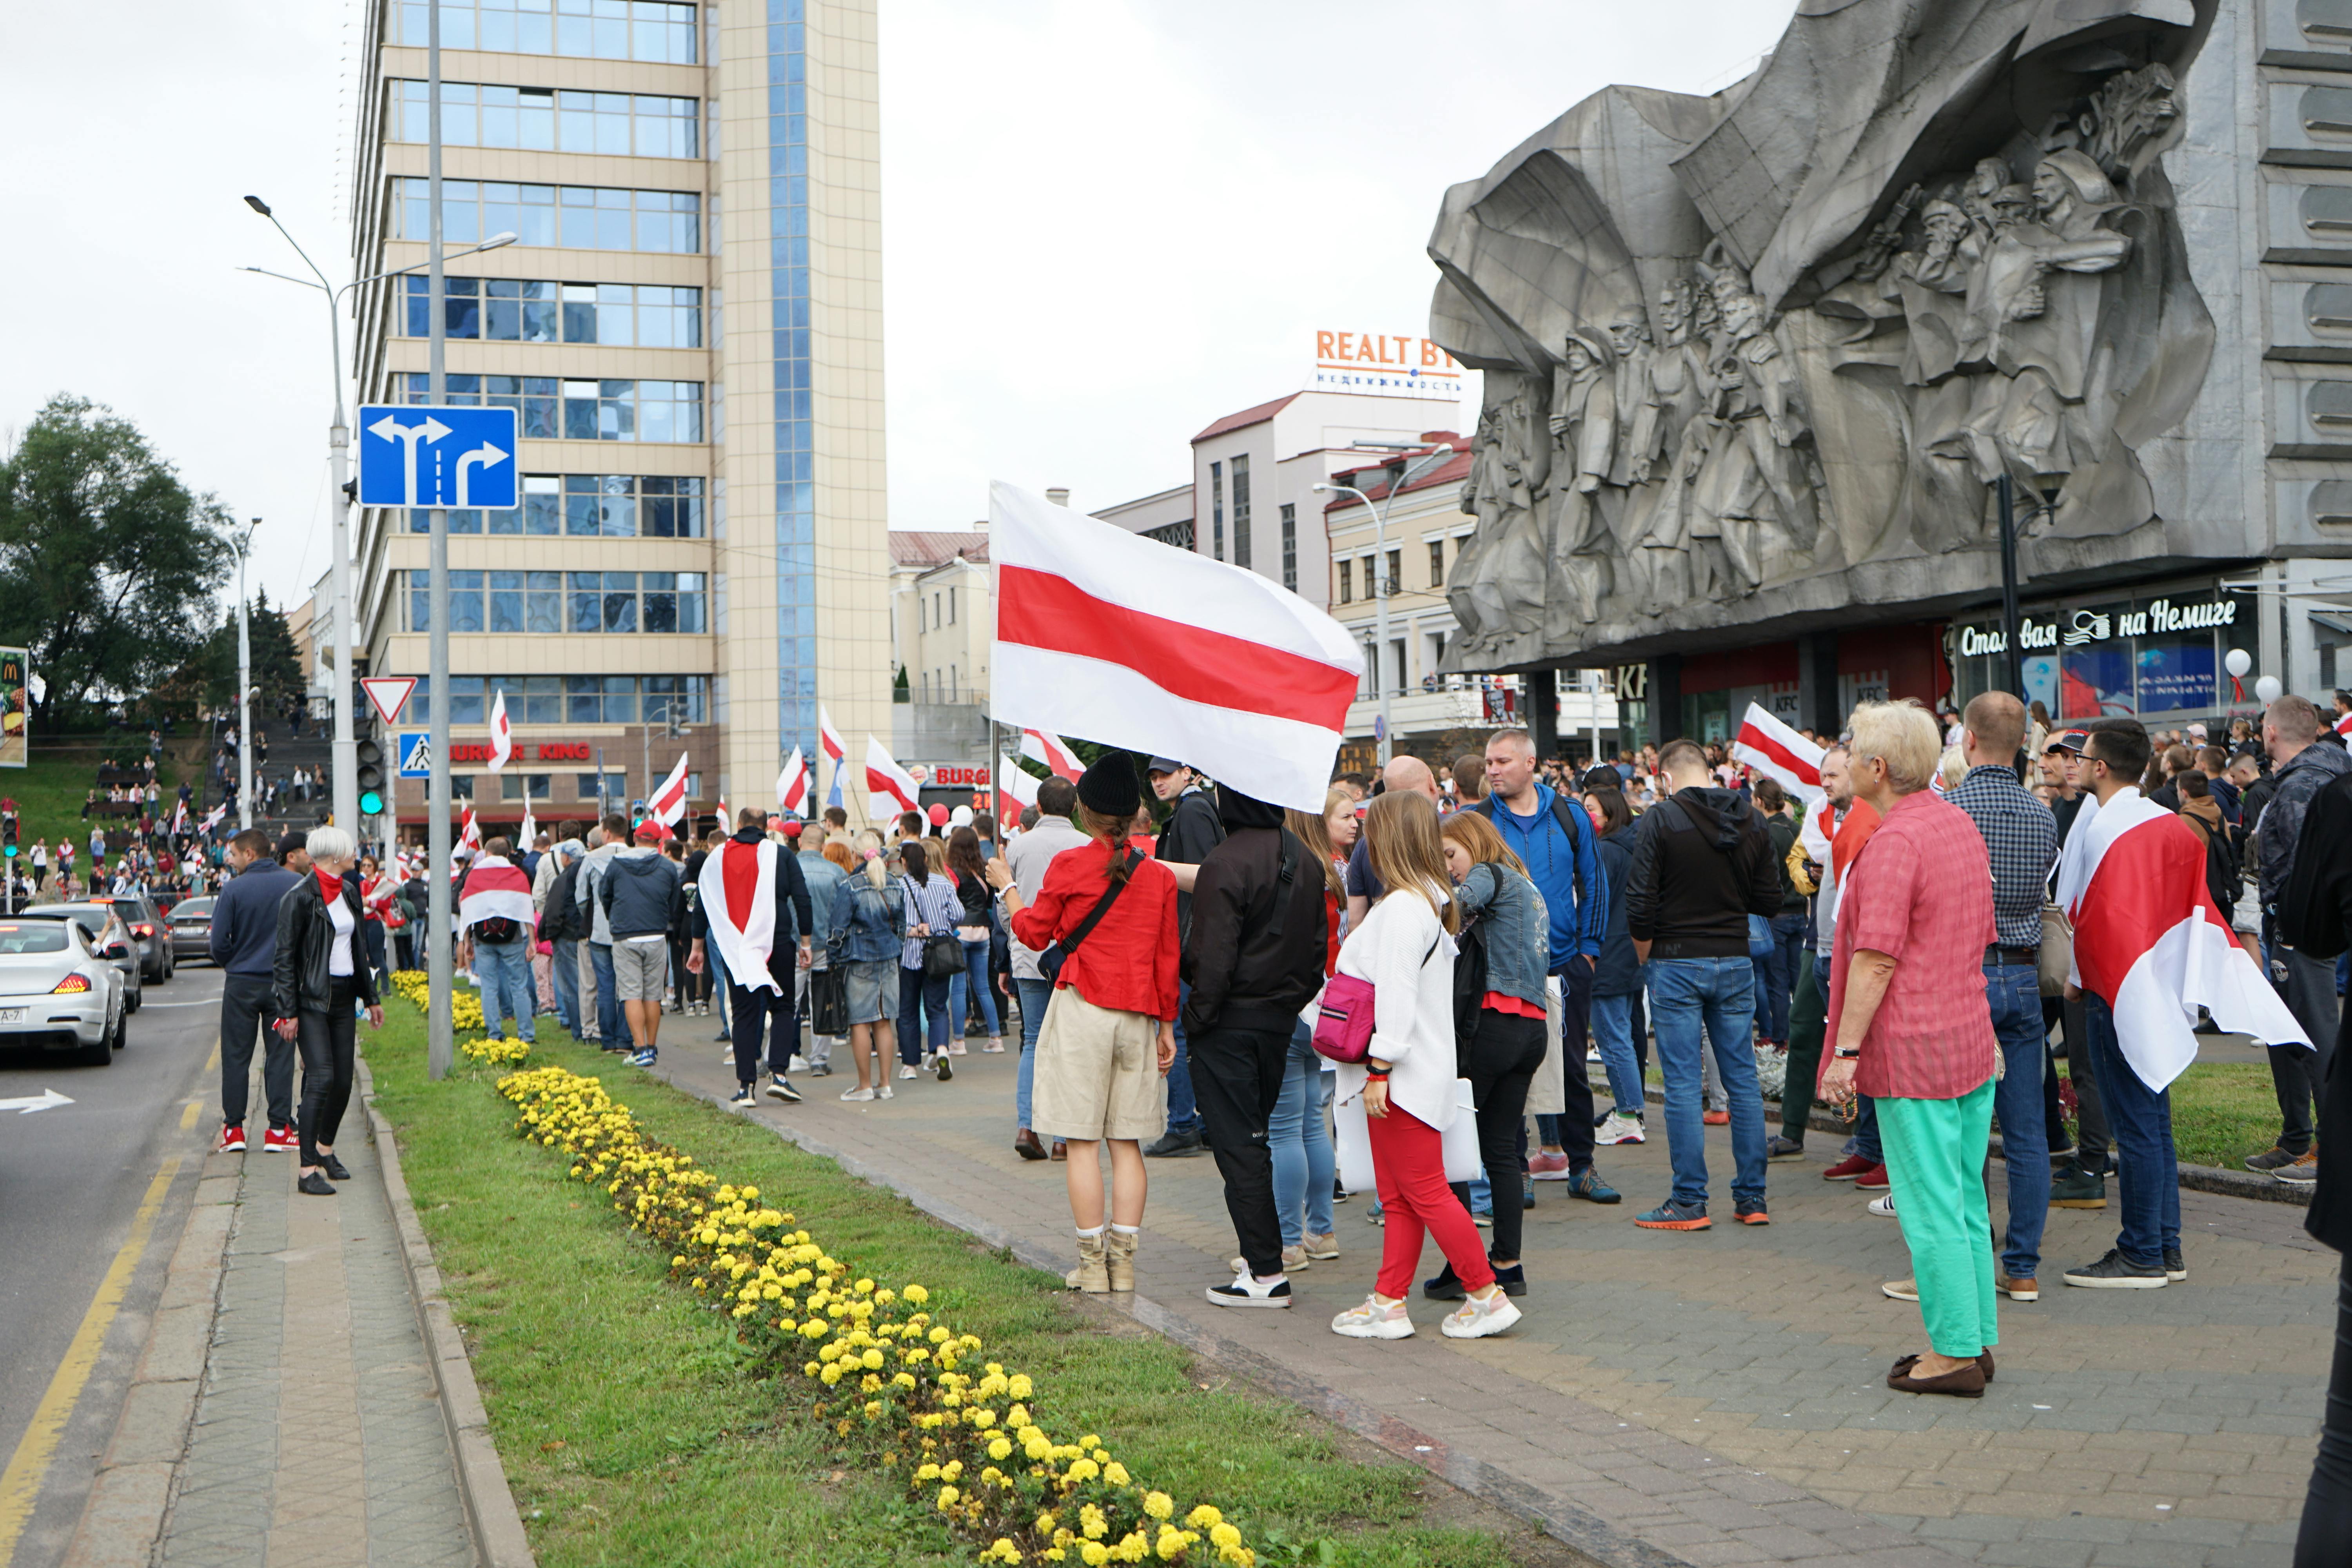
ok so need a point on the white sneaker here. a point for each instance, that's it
(1593, 1054)
(884, 1092)
(1248, 1290)
(1373, 1321)
(857, 1094)
(1474, 1320)
(1883, 1208)
(1620, 1128)
(797, 1064)
(904, 1072)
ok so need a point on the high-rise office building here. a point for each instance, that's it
(690, 326)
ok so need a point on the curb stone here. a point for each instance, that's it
(500, 1539)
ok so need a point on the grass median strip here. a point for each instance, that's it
(636, 1429)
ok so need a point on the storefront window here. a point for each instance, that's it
(2177, 673)
(2156, 653)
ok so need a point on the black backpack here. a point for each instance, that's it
(560, 922)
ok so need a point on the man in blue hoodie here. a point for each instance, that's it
(1554, 837)
(245, 945)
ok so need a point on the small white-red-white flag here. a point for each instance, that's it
(888, 782)
(1017, 786)
(2344, 725)
(2149, 942)
(470, 840)
(501, 734)
(1102, 634)
(1047, 747)
(668, 802)
(793, 785)
(1773, 749)
(836, 754)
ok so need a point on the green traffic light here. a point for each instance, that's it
(371, 804)
(10, 850)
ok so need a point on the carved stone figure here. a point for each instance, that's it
(1792, 330)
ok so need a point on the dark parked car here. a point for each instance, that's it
(192, 930)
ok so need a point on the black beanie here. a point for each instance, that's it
(1109, 788)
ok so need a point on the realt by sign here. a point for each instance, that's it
(435, 455)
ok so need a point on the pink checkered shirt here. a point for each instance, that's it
(1921, 893)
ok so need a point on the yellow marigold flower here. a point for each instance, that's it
(1170, 1543)
(1053, 1554)
(812, 1368)
(832, 1373)
(1204, 1518)
(1115, 1473)
(1043, 1525)
(1159, 1505)
(1089, 1441)
(1000, 1448)
(916, 1294)
(1238, 1556)
(940, 1336)
(872, 1360)
(992, 1475)
(1020, 1387)
(927, 1473)
(1223, 1535)
(1093, 1555)
(865, 1287)
(904, 1380)
(948, 1496)
(952, 1469)
(1083, 1471)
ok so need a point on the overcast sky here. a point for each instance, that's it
(1104, 222)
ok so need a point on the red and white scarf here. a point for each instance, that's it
(739, 898)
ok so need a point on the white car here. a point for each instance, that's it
(58, 992)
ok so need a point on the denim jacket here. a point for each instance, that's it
(868, 923)
(1517, 930)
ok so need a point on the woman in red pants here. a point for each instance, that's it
(1404, 948)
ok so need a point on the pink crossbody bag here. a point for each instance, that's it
(1343, 1023)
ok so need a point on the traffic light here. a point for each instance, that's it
(8, 836)
(371, 779)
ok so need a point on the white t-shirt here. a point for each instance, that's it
(339, 957)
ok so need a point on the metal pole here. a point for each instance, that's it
(243, 697)
(2013, 663)
(345, 751)
(441, 1046)
(603, 806)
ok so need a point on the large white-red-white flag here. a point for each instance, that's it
(501, 734)
(793, 785)
(668, 803)
(1773, 749)
(1047, 748)
(889, 788)
(1114, 638)
(495, 887)
(2150, 944)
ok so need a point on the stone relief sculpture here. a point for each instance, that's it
(1794, 331)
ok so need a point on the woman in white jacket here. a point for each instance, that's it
(1404, 948)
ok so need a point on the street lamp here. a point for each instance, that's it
(346, 747)
(1435, 455)
(243, 690)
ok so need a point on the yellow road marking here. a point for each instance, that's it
(213, 1060)
(20, 1483)
(188, 1114)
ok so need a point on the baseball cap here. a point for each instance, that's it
(2073, 741)
(792, 828)
(650, 831)
(1163, 765)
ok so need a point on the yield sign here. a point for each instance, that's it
(388, 694)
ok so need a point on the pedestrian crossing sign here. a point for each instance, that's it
(416, 752)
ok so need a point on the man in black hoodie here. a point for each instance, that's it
(1702, 863)
(1252, 958)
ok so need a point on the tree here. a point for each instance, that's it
(108, 562)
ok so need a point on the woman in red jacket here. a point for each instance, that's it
(1109, 1035)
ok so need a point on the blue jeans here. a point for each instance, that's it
(1718, 994)
(610, 1026)
(1183, 1110)
(504, 969)
(1304, 1165)
(1612, 1031)
(1777, 973)
(972, 982)
(1034, 996)
(2148, 1170)
(2014, 991)
(924, 997)
(567, 984)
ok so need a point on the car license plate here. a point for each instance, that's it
(12, 1014)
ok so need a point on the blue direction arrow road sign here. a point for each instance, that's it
(429, 455)
(415, 753)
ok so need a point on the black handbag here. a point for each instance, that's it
(943, 950)
(829, 1001)
(1049, 962)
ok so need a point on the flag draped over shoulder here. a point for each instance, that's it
(2149, 942)
(495, 887)
(1118, 639)
(739, 898)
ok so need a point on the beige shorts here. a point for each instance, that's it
(1097, 1073)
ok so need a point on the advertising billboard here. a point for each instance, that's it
(14, 702)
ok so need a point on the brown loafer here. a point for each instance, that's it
(1025, 1144)
(1964, 1382)
(1061, 1150)
(1984, 1361)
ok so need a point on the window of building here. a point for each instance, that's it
(611, 506)
(616, 788)
(594, 30)
(1290, 546)
(526, 310)
(542, 119)
(461, 786)
(1217, 510)
(951, 603)
(554, 409)
(573, 217)
(568, 699)
(1396, 573)
(527, 601)
(1241, 509)
(1437, 563)
(548, 603)
(524, 787)
(1347, 576)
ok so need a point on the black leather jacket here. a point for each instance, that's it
(305, 935)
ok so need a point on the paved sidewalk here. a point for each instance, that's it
(292, 1417)
(1719, 1398)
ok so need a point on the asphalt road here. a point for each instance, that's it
(72, 1180)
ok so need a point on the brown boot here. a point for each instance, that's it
(1092, 1275)
(1120, 1255)
(1025, 1144)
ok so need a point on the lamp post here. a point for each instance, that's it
(244, 691)
(1437, 454)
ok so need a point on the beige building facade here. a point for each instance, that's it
(689, 326)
